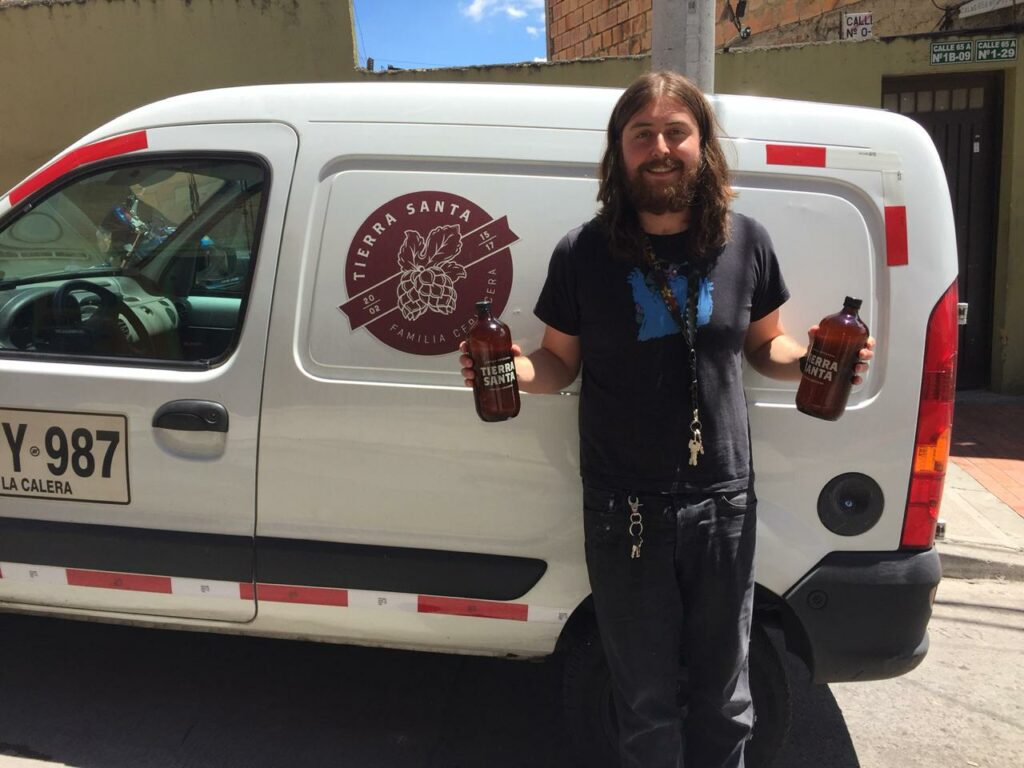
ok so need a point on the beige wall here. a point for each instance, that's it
(1008, 341)
(71, 66)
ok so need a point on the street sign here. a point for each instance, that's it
(976, 7)
(1003, 49)
(961, 52)
(857, 26)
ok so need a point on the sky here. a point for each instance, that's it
(419, 34)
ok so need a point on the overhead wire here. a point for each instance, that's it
(359, 30)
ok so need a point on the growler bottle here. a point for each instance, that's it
(495, 387)
(828, 368)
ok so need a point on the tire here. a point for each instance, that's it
(773, 704)
(589, 713)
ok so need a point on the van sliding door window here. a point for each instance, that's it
(147, 261)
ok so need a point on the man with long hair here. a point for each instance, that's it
(659, 298)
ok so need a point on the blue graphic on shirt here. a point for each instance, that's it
(652, 315)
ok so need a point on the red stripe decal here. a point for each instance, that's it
(130, 581)
(246, 591)
(792, 154)
(454, 606)
(90, 153)
(897, 253)
(282, 593)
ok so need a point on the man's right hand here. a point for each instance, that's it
(546, 370)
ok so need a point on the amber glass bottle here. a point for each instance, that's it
(495, 387)
(828, 369)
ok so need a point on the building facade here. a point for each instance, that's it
(596, 28)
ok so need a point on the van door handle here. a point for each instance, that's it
(192, 416)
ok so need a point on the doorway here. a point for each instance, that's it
(963, 115)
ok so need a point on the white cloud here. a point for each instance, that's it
(475, 10)
(532, 31)
(513, 9)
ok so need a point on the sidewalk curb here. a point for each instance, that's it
(967, 560)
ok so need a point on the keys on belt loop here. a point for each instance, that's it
(636, 526)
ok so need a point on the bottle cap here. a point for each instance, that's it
(851, 302)
(483, 305)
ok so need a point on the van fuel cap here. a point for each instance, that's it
(850, 504)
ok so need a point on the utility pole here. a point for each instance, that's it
(683, 39)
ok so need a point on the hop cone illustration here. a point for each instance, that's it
(429, 271)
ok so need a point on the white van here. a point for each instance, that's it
(228, 403)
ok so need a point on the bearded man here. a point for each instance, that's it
(659, 298)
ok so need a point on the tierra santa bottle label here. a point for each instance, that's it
(828, 368)
(495, 387)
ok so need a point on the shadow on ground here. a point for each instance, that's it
(988, 427)
(98, 696)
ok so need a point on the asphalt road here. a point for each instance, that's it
(98, 696)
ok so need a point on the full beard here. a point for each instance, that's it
(650, 196)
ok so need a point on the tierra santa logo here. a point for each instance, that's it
(417, 266)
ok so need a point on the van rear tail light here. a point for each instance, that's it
(934, 425)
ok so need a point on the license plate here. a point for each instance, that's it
(63, 455)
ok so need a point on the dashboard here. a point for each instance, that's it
(102, 315)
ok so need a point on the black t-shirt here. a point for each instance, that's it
(635, 407)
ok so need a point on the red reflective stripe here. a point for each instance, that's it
(90, 153)
(485, 609)
(792, 154)
(246, 591)
(130, 581)
(896, 249)
(282, 593)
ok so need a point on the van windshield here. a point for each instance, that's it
(112, 222)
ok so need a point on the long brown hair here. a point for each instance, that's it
(709, 213)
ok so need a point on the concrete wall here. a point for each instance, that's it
(72, 65)
(608, 72)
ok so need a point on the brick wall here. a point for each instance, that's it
(781, 22)
(589, 28)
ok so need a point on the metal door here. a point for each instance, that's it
(963, 115)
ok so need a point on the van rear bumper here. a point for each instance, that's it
(865, 614)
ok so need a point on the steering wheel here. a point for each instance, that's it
(101, 332)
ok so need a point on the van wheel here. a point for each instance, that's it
(589, 712)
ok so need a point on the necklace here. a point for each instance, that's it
(686, 319)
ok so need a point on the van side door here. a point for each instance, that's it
(136, 275)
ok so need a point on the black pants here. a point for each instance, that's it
(690, 591)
